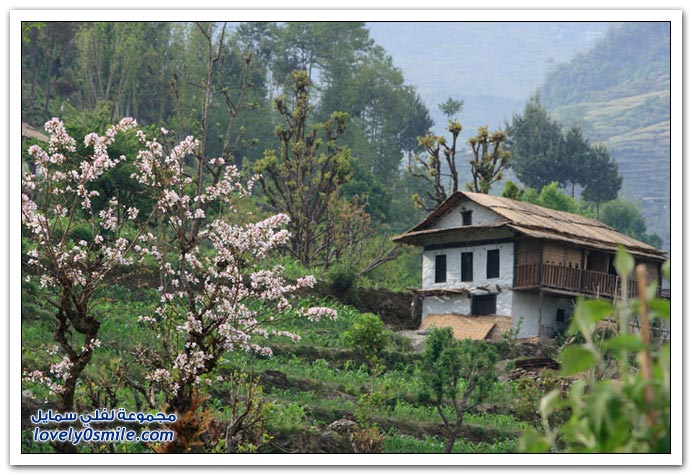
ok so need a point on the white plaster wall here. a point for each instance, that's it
(526, 305)
(480, 255)
(461, 304)
(443, 305)
(480, 215)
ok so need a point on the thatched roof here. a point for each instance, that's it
(534, 221)
(473, 327)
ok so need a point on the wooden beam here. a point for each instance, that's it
(479, 242)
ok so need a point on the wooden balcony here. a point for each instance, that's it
(570, 280)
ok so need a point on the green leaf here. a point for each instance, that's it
(666, 270)
(661, 307)
(606, 414)
(624, 263)
(549, 403)
(598, 309)
(533, 443)
(576, 397)
(576, 359)
(587, 313)
(624, 342)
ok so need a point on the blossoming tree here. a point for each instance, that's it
(74, 247)
(217, 295)
(212, 258)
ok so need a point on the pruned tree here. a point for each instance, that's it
(305, 174)
(489, 160)
(430, 167)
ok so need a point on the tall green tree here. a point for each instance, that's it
(48, 61)
(537, 145)
(603, 180)
(304, 176)
(126, 64)
(575, 156)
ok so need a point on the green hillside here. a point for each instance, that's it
(620, 94)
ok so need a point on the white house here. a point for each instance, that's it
(488, 257)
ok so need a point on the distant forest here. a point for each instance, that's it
(186, 77)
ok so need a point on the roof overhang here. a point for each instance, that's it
(468, 233)
(588, 243)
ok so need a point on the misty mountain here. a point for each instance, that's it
(619, 92)
(493, 66)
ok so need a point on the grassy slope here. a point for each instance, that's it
(310, 384)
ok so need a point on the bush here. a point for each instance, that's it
(367, 336)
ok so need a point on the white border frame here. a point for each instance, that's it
(673, 16)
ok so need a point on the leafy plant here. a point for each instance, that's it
(629, 412)
(458, 375)
(367, 336)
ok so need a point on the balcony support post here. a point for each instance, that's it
(540, 269)
(582, 270)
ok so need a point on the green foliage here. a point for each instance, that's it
(603, 181)
(629, 413)
(303, 178)
(244, 413)
(342, 277)
(543, 155)
(367, 336)
(451, 107)
(551, 197)
(458, 375)
(512, 191)
(537, 145)
(527, 394)
(625, 217)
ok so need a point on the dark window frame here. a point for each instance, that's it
(494, 271)
(486, 300)
(440, 268)
(467, 218)
(467, 267)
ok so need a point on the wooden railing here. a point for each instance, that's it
(570, 279)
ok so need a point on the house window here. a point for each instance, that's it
(560, 317)
(493, 264)
(484, 304)
(466, 218)
(466, 266)
(440, 268)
